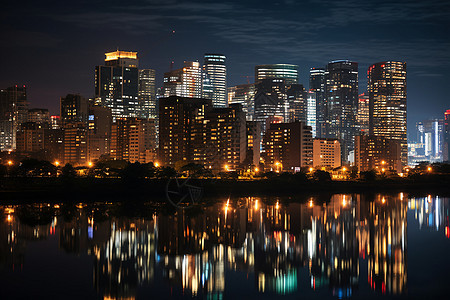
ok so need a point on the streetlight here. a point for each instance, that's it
(226, 168)
(10, 162)
(156, 164)
(256, 170)
(57, 163)
(311, 169)
(429, 169)
(344, 169)
(90, 164)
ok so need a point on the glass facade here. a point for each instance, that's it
(284, 71)
(215, 79)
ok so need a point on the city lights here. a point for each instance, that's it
(156, 164)
(56, 163)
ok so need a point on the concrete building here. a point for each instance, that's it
(387, 96)
(377, 153)
(184, 82)
(38, 115)
(13, 112)
(362, 118)
(74, 109)
(253, 143)
(76, 143)
(243, 94)
(326, 153)
(288, 147)
(99, 132)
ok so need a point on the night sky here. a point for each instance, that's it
(53, 46)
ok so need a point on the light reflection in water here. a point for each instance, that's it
(270, 240)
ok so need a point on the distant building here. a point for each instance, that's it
(181, 123)
(184, 82)
(133, 140)
(429, 143)
(446, 147)
(13, 112)
(387, 95)
(362, 117)
(215, 72)
(277, 71)
(147, 94)
(311, 118)
(117, 84)
(377, 153)
(76, 143)
(326, 153)
(341, 97)
(243, 94)
(288, 147)
(38, 115)
(55, 122)
(317, 86)
(74, 109)
(253, 143)
(99, 132)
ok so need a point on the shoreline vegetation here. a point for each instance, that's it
(114, 181)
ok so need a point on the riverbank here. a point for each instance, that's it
(85, 189)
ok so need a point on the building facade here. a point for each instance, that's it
(73, 109)
(288, 147)
(362, 118)
(277, 71)
(377, 153)
(311, 112)
(387, 96)
(341, 93)
(184, 82)
(446, 146)
(117, 84)
(147, 94)
(99, 132)
(215, 72)
(13, 112)
(243, 94)
(326, 153)
(317, 86)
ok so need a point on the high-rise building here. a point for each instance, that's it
(387, 96)
(377, 153)
(181, 123)
(341, 93)
(133, 140)
(253, 143)
(362, 117)
(215, 72)
(446, 147)
(38, 115)
(147, 94)
(13, 112)
(243, 94)
(75, 143)
(288, 147)
(277, 71)
(117, 83)
(184, 82)
(74, 108)
(99, 132)
(225, 147)
(311, 115)
(317, 85)
(326, 153)
(429, 144)
(275, 98)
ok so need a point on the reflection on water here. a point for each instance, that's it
(197, 252)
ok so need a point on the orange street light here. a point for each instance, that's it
(383, 162)
(226, 168)
(311, 169)
(10, 162)
(256, 170)
(156, 164)
(344, 169)
(90, 164)
(429, 169)
(57, 163)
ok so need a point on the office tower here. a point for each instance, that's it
(277, 71)
(133, 140)
(181, 123)
(288, 147)
(341, 94)
(311, 115)
(30, 137)
(377, 153)
(75, 143)
(243, 94)
(13, 112)
(387, 96)
(74, 109)
(99, 132)
(225, 147)
(326, 153)
(446, 147)
(184, 82)
(362, 118)
(215, 80)
(253, 143)
(55, 122)
(275, 98)
(430, 143)
(147, 94)
(317, 85)
(38, 115)
(117, 83)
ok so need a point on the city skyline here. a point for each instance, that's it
(76, 37)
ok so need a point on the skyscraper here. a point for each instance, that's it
(362, 117)
(317, 85)
(387, 97)
(243, 94)
(341, 94)
(277, 71)
(184, 82)
(215, 72)
(311, 118)
(116, 84)
(74, 108)
(147, 94)
(13, 112)
(446, 147)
